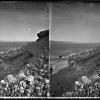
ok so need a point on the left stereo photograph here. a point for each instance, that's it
(24, 49)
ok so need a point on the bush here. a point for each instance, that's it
(85, 88)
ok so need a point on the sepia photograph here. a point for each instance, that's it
(24, 49)
(74, 49)
(50, 49)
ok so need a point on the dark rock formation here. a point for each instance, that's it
(35, 48)
(42, 35)
(43, 40)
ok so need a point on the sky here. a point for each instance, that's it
(75, 22)
(21, 21)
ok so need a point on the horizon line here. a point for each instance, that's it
(15, 41)
(72, 41)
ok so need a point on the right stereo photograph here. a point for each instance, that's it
(75, 49)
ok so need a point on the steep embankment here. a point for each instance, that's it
(17, 60)
(65, 79)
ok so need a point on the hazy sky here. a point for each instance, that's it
(77, 22)
(21, 21)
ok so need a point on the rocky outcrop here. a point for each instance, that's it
(35, 48)
(42, 35)
(43, 40)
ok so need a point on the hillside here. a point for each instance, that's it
(28, 64)
(23, 55)
(64, 80)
